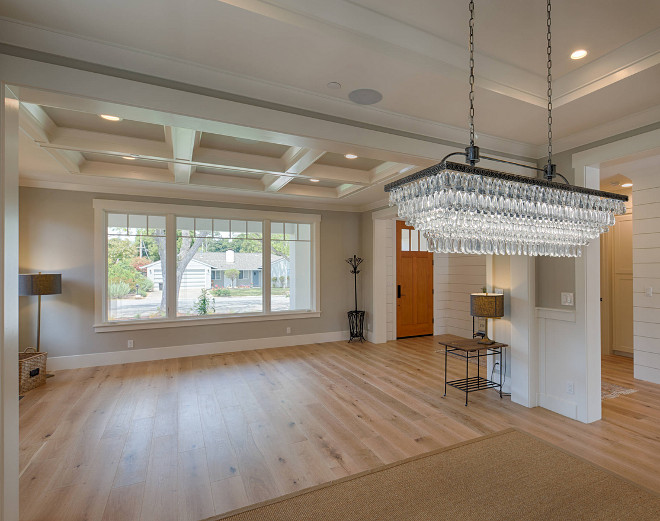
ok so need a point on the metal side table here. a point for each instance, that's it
(469, 349)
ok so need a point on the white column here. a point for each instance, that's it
(9, 308)
(524, 341)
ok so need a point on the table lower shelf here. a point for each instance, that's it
(474, 383)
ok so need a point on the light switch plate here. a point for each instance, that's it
(499, 291)
(567, 299)
(649, 292)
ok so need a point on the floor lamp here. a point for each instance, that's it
(39, 284)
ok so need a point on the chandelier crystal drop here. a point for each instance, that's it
(467, 209)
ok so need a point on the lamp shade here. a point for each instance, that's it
(40, 284)
(488, 305)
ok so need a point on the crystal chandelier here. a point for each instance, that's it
(461, 208)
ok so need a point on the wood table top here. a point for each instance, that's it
(466, 344)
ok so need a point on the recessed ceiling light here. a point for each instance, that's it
(350, 156)
(578, 55)
(314, 180)
(626, 185)
(334, 85)
(129, 158)
(110, 118)
(365, 96)
(405, 169)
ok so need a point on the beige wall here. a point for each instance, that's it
(56, 234)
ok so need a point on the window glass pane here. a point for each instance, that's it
(220, 275)
(203, 227)
(277, 230)
(414, 240)
(135, 285)
(290, 231)
(254, 229)
(238, 228)
(405, 239)
(291, 276)
(304, 232)
(221, 228)
(423, 245)
(157, 224)
(137, 224)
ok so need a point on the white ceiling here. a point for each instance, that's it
(413, 52)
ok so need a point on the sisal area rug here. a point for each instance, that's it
(505, 476)
(609, 391)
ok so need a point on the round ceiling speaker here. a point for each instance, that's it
(365, 96)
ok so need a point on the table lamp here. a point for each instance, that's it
(487, 305)
(39, 284)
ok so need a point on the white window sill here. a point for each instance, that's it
(183, 322)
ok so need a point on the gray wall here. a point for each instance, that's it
(56, 235)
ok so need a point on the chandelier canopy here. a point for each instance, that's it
(467, 209)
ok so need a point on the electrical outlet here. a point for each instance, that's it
(567, 299)
(570, 388)
(288, 330)
(130, 344)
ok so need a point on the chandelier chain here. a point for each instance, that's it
(549, 64)
(471, 72)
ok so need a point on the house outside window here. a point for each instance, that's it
(226, 264)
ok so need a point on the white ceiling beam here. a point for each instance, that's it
(296, 161)
(182, 142)
(38, 126)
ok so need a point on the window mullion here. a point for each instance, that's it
(266, 266)
(170, 263)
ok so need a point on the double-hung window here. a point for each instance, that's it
(166, 265)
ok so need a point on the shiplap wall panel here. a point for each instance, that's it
(646, 274)
(455, 276)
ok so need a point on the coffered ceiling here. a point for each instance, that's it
(286, 52)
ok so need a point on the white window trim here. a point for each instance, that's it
(171, 211)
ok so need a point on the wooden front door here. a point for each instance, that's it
(414, 279)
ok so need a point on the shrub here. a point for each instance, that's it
(221, 292)
(118, 289)
(205, 304)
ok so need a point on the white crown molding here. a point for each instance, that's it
(123, 356)
(631, 58)
(606, 130)
(42, 39)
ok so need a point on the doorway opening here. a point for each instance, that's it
(616, 276)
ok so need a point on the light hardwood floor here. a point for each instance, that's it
(188, 438)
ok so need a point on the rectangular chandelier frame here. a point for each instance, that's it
(504, 176)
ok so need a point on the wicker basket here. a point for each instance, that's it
(31, 369)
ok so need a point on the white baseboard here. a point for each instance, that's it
(57, 363)
(558, 405)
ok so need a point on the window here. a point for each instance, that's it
(225, 265)
(135, 287)
(290, 266)
(215, 260)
